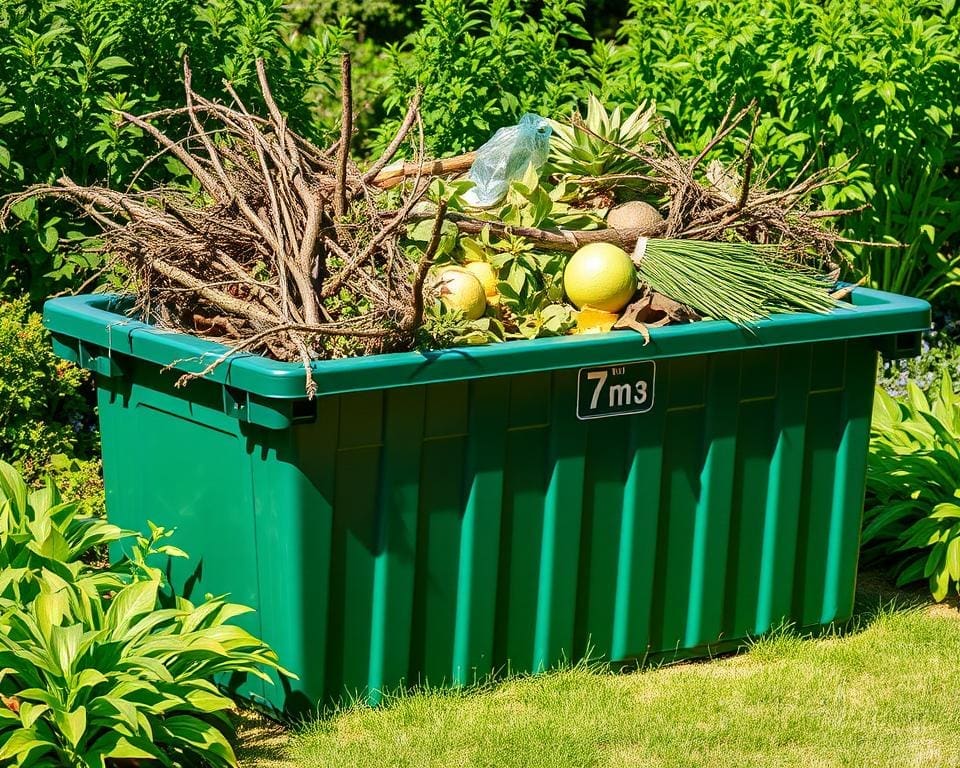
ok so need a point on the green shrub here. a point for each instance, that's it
(380, 20)
(45, 414)
(869, 87)
(66, 66)
(42, 405)
(94, 664)
(482, 64)
(913, 486)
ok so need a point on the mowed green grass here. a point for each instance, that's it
(887, 694)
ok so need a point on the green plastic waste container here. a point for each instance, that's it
(438, 517)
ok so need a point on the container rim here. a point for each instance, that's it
(100, 320)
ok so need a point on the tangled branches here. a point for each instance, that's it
(277, 233)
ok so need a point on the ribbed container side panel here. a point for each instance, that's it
(437, 534)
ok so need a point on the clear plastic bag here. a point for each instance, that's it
(505, 157)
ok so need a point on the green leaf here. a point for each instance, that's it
(24, 209)
(887, 92)
(53, 546)
(12, 486)
(940, 584)
(209, 701)
(883, 517)
(953, 558)
(116, 745)
(21, 743)
(72, 725)
(911, 573)
(945, 511)
(50, 609)
(29, 712)
(50, 239)
(113, 62)
(204, 737)
(935, 558)
(88, 678)
(11, 117)
(64, 644)
(128, 604)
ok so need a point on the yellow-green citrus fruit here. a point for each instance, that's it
(602, 276)
(460, 289)
(485, 274)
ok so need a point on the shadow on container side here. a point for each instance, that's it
(438, 517)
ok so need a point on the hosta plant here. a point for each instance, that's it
(97, 664)
(84, 681)
(913, 484)
(39, 532)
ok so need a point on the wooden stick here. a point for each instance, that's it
(346, 132)
(393, 176)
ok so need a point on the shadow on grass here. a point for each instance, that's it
(262, 742)
(876, 595)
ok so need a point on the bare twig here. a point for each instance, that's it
(415, 318)
(391, 150)
(748, 162)
(346, 133)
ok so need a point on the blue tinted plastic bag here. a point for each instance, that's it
(505, 157)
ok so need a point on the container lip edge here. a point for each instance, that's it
(286, 380)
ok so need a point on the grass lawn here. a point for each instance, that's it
(886, 694)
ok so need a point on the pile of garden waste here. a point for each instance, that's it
(280, 247)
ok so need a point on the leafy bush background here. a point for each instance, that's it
(868, 87)
(67, 66)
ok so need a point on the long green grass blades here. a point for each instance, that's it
(739, 282)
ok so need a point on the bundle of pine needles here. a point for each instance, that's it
(740, 282)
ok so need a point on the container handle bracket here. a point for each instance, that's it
(272, 413)
(899, 346)
(101, 361)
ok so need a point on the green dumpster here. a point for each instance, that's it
(439, 517)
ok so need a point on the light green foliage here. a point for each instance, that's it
(593, 145)
(68, 66)
(384, 20)
(869, 88)
(95, 663)
(483, 64)
(39, 534)
(913, 515)
(848, 701)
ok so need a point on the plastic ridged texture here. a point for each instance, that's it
(439, 532)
